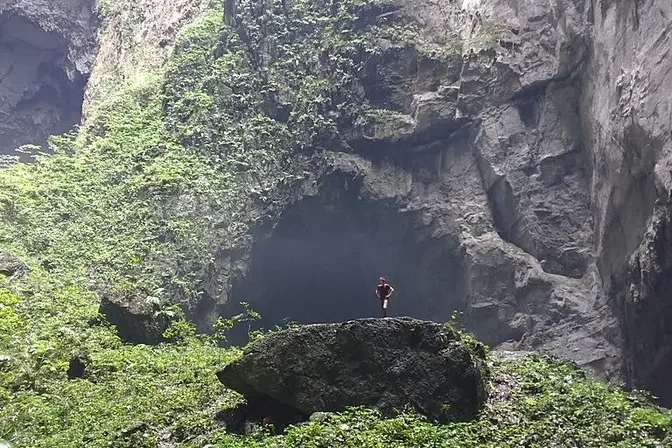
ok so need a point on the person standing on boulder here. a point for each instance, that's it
(384, 291)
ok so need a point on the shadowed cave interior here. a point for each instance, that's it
(323, 259)
(38, 97)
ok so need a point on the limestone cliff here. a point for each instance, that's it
(522, 157)
(507, 159)
(627, 113)
(469, 188)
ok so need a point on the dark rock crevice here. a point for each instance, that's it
(648, 319)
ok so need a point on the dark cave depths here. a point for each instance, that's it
(323, 260)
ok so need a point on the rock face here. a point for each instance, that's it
(387, 363)
(138, 318)
(469, 188)
(518, 171)
(46, 50)
(11, 266)
(627, 114)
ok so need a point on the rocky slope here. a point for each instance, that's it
(504, 159)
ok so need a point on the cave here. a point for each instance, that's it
(322, 261)
(40, 94)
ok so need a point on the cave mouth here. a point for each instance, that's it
(322, 261)
(40, 94)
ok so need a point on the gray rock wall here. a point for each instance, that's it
(46, 50)
(524, 152)
(471, 189)
(627, 114)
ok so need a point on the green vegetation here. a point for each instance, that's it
(135, 396)
(164, 178)
(535, 402)
(43, 322)
(173, 170)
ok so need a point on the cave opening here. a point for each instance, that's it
(323, 259)
(40, 93)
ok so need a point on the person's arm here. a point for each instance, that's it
(377, 292)
(390, 293)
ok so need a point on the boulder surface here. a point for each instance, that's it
(138, 318)
(386, 363)
(11, 266)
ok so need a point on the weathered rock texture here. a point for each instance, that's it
(470, 188)
(136, 38)
(138, 318)
(386, 363)
(627, 112)
(46, 50)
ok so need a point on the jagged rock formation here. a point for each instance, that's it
(512, 175)
(386, 363)
(46, 50)
(469, 188)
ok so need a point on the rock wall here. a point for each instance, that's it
(469, 188)
(627, 113)
(46, 49)
(520, 174)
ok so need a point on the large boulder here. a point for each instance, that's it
(138, 317)
(11, 266)
(386, 363)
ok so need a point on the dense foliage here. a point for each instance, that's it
(164, 177)
(141, 396)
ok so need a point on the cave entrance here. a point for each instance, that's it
(323, 259)
(40, 94)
